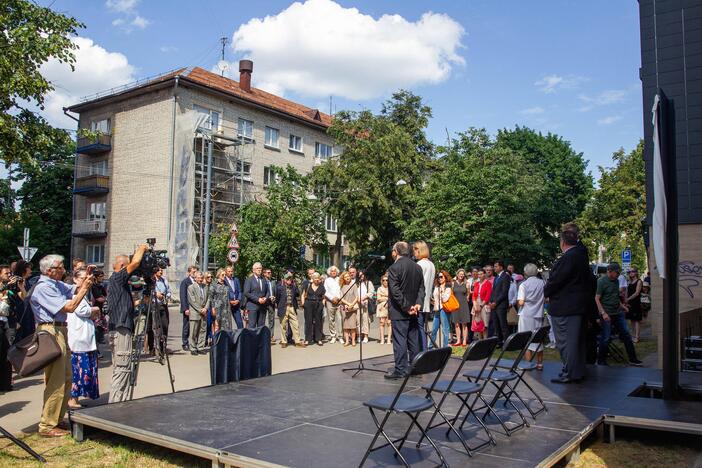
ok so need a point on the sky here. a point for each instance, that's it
(563, 66)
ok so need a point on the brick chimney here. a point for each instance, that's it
(245, 70)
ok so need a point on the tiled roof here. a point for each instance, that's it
(258, 96)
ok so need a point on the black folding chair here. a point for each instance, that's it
(500, 377)
(426, 362)
(480, 350)
(538, 338)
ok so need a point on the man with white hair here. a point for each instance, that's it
(333, 295)
(51, 300)
(257, 293)
(121, 304)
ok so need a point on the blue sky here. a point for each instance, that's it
(570, 67)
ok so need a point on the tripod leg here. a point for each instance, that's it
(22, 445)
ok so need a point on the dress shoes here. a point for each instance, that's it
(565, 380)
(55, 432)
(393, 376)
(300, 345)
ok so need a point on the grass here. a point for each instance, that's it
(100, 449)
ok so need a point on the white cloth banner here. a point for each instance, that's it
(659, 201)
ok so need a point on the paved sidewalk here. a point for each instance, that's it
(20, 409)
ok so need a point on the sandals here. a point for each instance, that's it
(539, 367)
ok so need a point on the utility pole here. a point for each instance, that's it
(223, 40)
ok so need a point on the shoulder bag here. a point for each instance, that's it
(451, 304)
(33, 353)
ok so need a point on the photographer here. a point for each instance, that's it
(51, 300)
(121, 326)
(12, 294)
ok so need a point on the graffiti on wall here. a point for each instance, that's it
(690, 277)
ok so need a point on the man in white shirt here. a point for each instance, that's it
(332, 295)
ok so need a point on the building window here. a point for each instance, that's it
(330, 223)
(102, 126)
(269, 176)
(212, 122)
(247, 169)
(295, 143)
(322, 260)
(98, 168)
(322, 151)
(95, 254)
(246, 129)
(96, 211)
(272, 135)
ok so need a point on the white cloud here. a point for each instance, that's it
(168, 49)
(605, 98)
(319, 48)
(551, 83)
(532, 111)
(118, 22)
(140, 22)
(609, 120)
(96, 69)
(121, 6)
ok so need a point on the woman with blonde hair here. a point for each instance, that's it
(221, 311)
(382, 297)
(421, 254)
(349, 308)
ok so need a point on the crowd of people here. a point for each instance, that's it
(417, 307)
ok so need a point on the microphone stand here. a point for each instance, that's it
(361, 367)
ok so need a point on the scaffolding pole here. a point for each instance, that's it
(208, 202)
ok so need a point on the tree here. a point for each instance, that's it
(615, 216)
(567, 183)
(31, 36)
(273, 231)
(360, 186)
(480, 205)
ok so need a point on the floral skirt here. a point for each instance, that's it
(85, 375)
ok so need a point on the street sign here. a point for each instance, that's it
(233, 256)
(626, 256)
(27, 252)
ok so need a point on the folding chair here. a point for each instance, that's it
(426, 362)
(538, 337)
(499, 377)
(480, 350)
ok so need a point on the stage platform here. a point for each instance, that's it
(315, 417)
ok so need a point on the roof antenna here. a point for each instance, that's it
(223, 65)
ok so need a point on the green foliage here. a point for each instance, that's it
(615, 216)
(31, 36)
(480, 205)
(359, 187)
(272, 231)
(567, 184)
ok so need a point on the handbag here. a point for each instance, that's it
(33, 353)
(477, 325)
(451, 304)
(512, 317)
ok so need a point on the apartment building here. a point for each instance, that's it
(139, 175)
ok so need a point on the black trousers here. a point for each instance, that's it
(405, 343)
(313, 321)
(152, 327)
(499, 318)
(257, 318)
(570, 341)
(186, 329)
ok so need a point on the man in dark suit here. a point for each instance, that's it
(184, 307)
(569, 292)
(256, 293)
(406, 291)
(235, 295)
(499, 302)
(286, 299)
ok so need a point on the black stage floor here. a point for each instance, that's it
(315, 417)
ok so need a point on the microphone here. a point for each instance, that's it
(376, 256)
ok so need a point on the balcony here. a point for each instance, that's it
(94, 144)
(92, 184)
(89, 228)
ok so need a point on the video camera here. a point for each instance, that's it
(152, 261)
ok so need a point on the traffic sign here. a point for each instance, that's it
(626, 256)
(233, 256)
(27, 252)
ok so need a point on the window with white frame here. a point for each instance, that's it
(322, 259)
(96, 211)
(247, 169)
(98, 168)
(272, 135)
(330, 223)
(95, 254)
(295, 143)
(212, 122)
(269, 176)
(246, 128)
(102, 126)
(322, 151)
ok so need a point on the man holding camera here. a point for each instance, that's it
(119, 298)
(51, 300)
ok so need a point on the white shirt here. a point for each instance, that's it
(331, 288)
(531, 292)
(428, 271)
(367, 289)
(81, 330)
(512, 293)
(623, 283)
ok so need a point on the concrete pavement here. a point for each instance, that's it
(20, 409)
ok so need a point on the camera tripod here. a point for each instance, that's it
(160, 340)
(21, 444)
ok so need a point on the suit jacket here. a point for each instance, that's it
(198, 298)
(253, 292)
(500, 291)
(281, 297)
(405, 288)
(184, 293)
(234, 291)
(569, 285)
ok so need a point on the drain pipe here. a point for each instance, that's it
(73, 198)
(171, 166)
